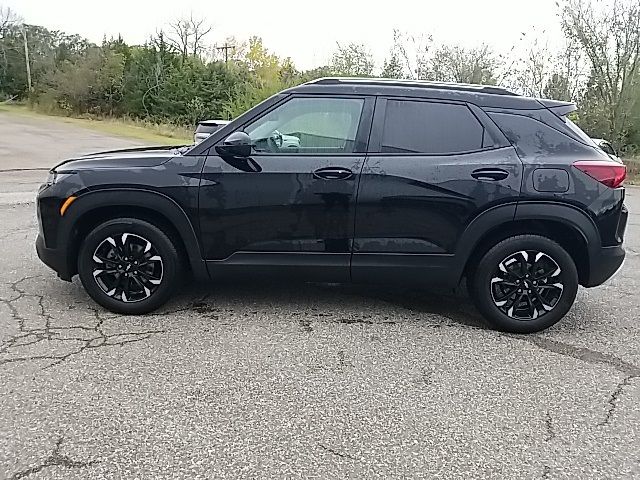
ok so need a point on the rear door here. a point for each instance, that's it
(432, 167)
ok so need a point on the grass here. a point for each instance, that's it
(163, 134)
(633, 170)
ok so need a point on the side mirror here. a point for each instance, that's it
(238, 144)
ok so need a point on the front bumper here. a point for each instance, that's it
(604, 264)
(53, 258)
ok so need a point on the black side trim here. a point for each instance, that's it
(310, 267)
(410, 270)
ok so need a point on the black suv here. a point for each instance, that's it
(391, 182)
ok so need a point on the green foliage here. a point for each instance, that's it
(456, 64)
(155, 82)
(392, 67)
(352, 60)
(610, 41)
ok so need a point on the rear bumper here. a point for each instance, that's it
(604, 265)
(53, 258)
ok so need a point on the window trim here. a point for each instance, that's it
(362, 132)
(377, 129)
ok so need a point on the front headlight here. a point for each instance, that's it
(54, 177)
(51, 179)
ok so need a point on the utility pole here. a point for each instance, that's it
(26, 57)
(226, 47)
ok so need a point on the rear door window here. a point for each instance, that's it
(430, 128)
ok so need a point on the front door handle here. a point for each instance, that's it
(490, 174)
(333, 173)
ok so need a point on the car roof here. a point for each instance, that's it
(482, 95)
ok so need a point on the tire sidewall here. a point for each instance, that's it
(161, 243)
(481, 283)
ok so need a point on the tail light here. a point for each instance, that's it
(611, 174)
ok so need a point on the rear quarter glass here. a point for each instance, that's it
(535, 140)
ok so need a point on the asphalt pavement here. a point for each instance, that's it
(251, 380)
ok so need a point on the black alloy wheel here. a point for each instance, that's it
(523, 284)
(129, 265)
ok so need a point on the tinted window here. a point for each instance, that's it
(533, 138)
(308, 125)
(431, 128)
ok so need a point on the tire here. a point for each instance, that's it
(138, 266)
(511, 301)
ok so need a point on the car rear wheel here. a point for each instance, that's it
(129, 266)
(524, 284)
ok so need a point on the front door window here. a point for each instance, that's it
(308, 126)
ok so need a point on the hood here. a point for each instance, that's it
(124, 158)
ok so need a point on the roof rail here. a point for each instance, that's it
(465, 87)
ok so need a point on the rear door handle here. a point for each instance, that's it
(490, 174)
(333, 173)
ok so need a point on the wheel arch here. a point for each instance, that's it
(567, 225)
(93, 208)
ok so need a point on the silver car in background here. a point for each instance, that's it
(206, 128)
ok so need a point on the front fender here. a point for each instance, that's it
(148, 199)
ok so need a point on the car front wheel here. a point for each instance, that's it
(524, 284)
(128, 266)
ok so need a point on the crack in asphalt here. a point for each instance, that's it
(55, 459)
(335, 452)
(550, 432)
(30, 336)
(592, 357)
(613, 400)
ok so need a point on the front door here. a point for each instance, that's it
(290, 206)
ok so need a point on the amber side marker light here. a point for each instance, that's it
(66, 204)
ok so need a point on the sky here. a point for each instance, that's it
(306, 31)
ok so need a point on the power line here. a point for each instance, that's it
(226, 47)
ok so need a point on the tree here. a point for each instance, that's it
(610, 41)
(186, 35)
(8, 22)
(393, 65)
(409, 56)
(457, 64)
(8, 18)
(352, 60)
